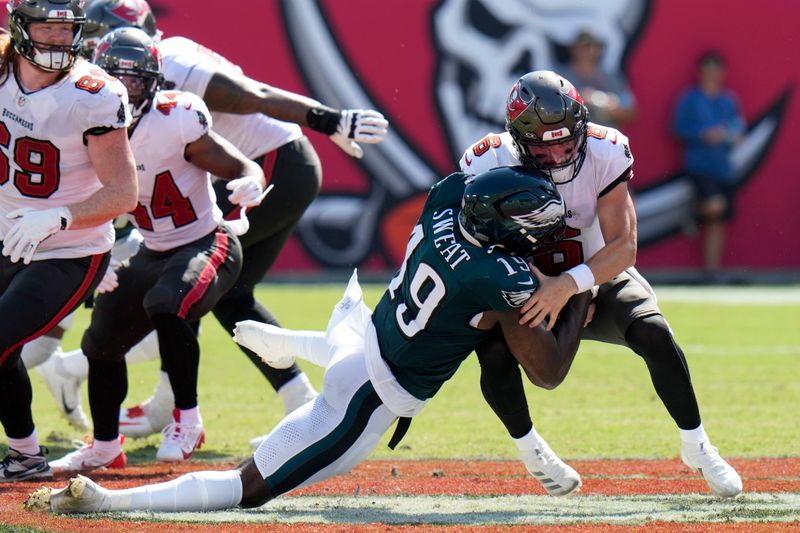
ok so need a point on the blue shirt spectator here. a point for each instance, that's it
(708, 125)
(708, 122)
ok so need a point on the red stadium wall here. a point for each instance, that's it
(393, 52)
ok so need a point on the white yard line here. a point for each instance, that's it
(771, 295)
(504, 510)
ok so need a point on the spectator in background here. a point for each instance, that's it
(606, 94)
(708, 122)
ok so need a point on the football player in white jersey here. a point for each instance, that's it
(548, 129)
(190, 257)
(264, 123)
(66, 170)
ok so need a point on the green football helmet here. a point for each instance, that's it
(49, 57)
(548, 121)
(517, 208)
(104, 16)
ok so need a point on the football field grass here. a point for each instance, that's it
(455, 469)
(742, 346)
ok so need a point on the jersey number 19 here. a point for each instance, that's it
(426, 301)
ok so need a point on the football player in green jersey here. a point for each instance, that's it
(465, 273)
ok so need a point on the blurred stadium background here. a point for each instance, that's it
(440, 70)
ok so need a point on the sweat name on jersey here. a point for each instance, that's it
(445, 239)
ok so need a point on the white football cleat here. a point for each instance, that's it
(148, 418)
(66, 389)
(556, 476)
(271, 343)
(180, 439)
(81, 495)
(721, 477)
(87, 458)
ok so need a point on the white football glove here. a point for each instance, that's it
(32, 227)
(269, 342)
(240, 226)
(109, 281)
(359, 126)
(248, 191)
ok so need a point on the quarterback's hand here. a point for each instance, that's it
(248, 191)
(269, 342)
(109, 281)
(548, 300)
(32, 227)
(359, 126)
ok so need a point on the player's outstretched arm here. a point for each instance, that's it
(546, 356)
(228, 93)
(241, 95)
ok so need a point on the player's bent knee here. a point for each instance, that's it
(101, 350)
(651, 337)
(161, 301)
(254, 491)
(495, 356)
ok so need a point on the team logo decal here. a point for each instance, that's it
(544, 216)
(517, 298)
(477, 58)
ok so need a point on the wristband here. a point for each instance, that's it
(323, 119)
(583, 276)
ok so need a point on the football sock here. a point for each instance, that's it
(145, 350)
(16, 395)
(529, 441)
(107, 447)
(28, 445)
(199, 491)
(74, 363)
(190, 416)
(502, 388)
(694, 436)
(108, 386)
(180, 355)
(311, 346)
(651, 338)
(162, 394)
(39, 350)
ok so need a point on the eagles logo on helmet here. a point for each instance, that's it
(518, 208)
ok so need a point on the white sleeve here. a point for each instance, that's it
(190, 66)
(106, 107)
(613, 158)
(492, 151)
(194, 118)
